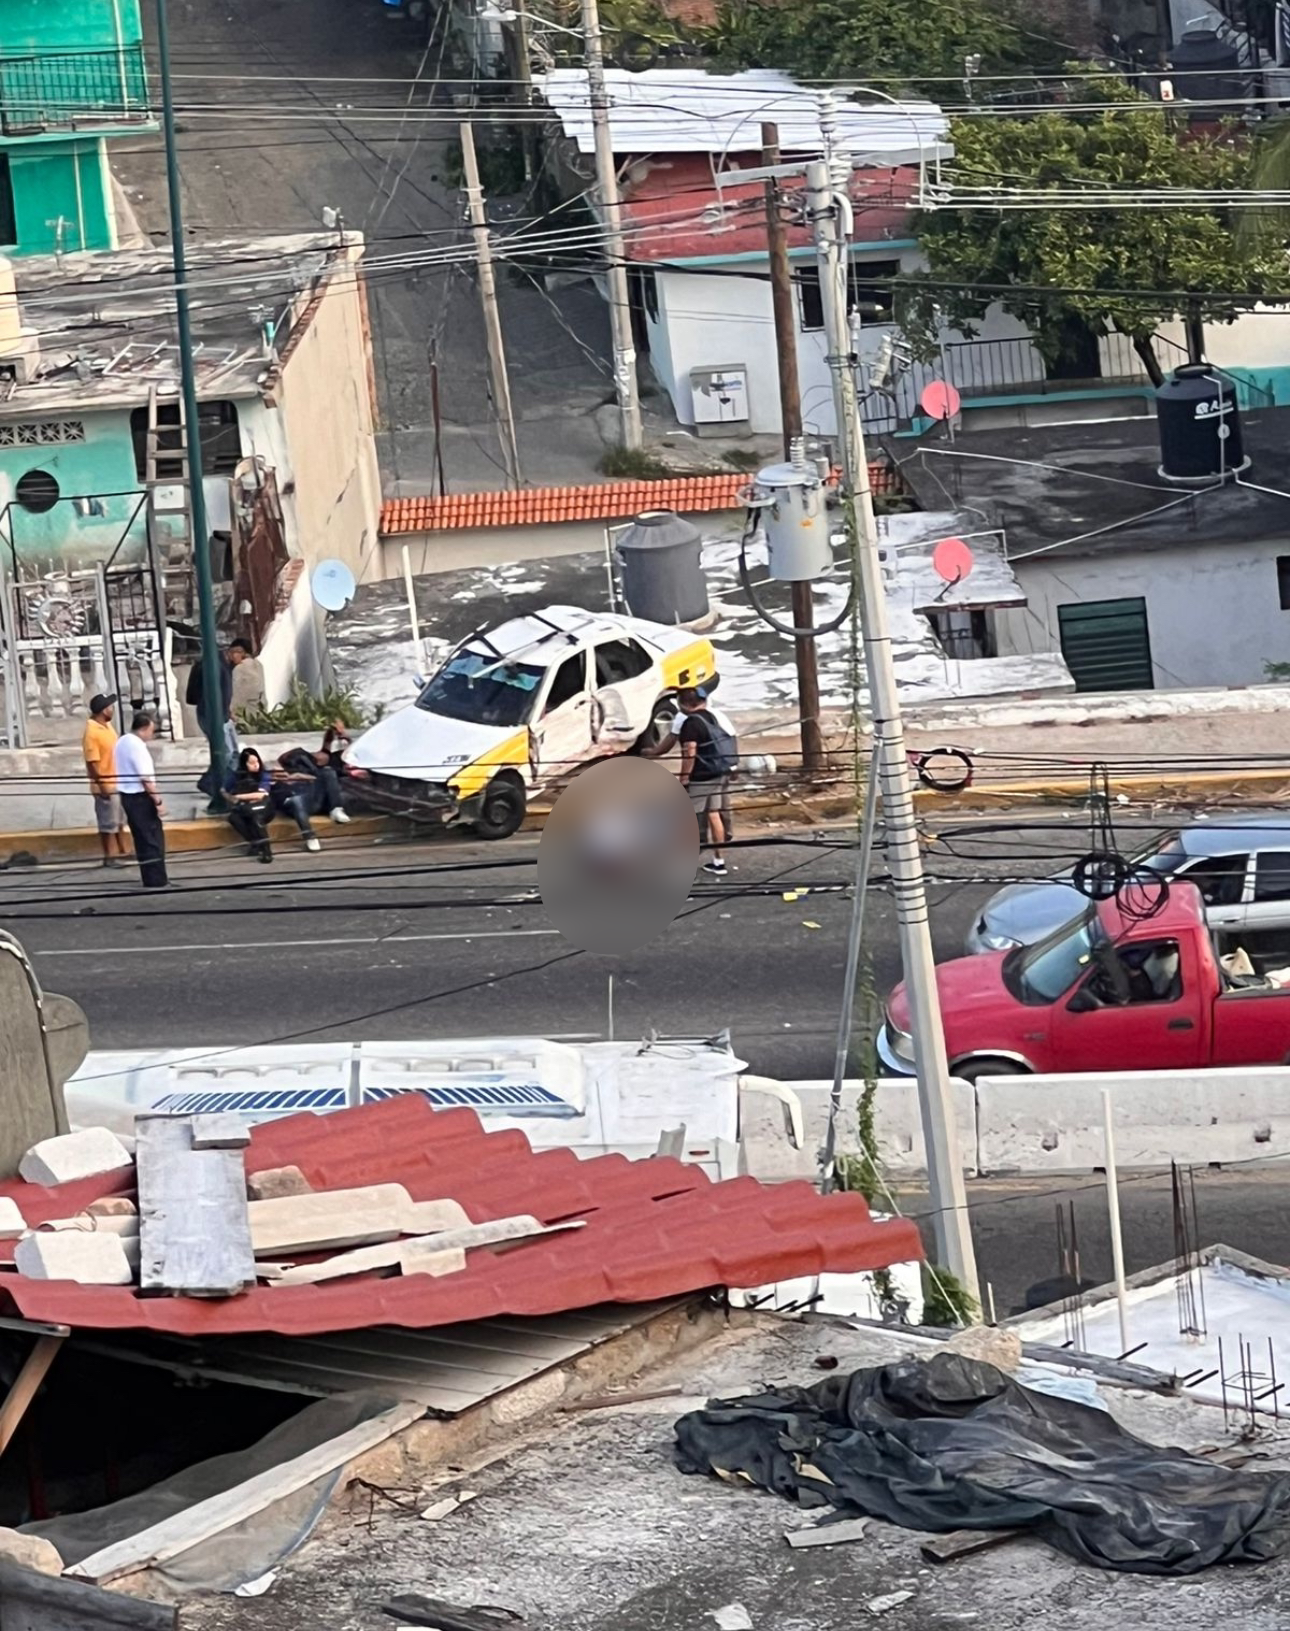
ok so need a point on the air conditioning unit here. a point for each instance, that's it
(720, 400)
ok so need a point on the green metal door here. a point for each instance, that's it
(1106, 644)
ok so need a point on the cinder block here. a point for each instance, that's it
(89, 1259)
(276, 1183)
(30, 1552)
(74, 1155)
(12, 1222)
(113, 1206)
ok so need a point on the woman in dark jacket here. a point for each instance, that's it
(250, 808)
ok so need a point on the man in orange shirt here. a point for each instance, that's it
(97, 746)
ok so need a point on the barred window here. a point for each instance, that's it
(42, 433)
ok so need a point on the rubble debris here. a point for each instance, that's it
(113, 1206)
(68, 1156)
(277, 1183)
(89, 1258)
(12, 1222)
(195, 1235)
(829, 1534)
(30, 1552)
(922, 1444)
(733, 1617)
(989, 1344)
(966, 1543)
(328, 1219)
(400, 1254)
(889, 1600)
(449, 1504)
(223, 1130)
(413, 1609)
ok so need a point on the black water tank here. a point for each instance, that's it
(1209, 69)
(1200, 427)
(661, 575)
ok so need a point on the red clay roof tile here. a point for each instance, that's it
(652, 1229)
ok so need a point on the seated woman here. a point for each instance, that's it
(250, 806)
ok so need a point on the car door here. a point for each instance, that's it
(1222, 881)
(1266, 931)
(627, 686)
(1136, 1009)
(562, 730)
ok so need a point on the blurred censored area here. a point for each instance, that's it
(618, 855)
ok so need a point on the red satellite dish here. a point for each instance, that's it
(940, 401)
(952, 559)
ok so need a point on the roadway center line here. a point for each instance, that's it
(145, 948)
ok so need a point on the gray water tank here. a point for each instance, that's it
(1200, 427)
(661, 576)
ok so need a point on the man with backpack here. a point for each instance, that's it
(709, 757)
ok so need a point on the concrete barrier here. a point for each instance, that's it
(896, 1120)
(1053, 1124)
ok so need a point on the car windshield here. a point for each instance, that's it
(502, 696)
(1041, 973)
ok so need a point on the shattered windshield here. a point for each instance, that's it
(462, 689)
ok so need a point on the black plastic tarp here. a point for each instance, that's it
(956, 1444)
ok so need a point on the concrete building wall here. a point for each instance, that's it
(63, 182)
(87, 454)
(1214, 612)
(44, 26)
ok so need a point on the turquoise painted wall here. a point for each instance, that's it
(66, 25)
(67, 179)
(103, 463)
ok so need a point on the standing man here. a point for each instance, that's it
(662, 748)
(213, 715)
(136, 779)
(97, 747)
(709, 756)
(248, 680)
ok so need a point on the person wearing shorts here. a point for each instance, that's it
(98, 744)
(702, 776)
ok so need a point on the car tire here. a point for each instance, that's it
(502, 808)
(971, 1070)
(660, 725)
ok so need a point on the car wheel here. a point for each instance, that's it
(659, 727)
(502, 808)
(972, 1070)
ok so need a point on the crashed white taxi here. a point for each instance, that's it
(515, 710)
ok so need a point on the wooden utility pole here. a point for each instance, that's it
(500, 380)
(790, 407)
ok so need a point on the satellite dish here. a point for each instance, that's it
(952, 560)
(939, 400)
(332, 585)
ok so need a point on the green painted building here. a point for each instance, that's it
(72, 79)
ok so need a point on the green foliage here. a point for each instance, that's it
(827, 39)
(634, 463)
(499, 151)
(743, 458)
(1277, 673)
(1125, 142)
(303, 711)
(946, 1300)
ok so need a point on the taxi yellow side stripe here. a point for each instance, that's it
(479, 772)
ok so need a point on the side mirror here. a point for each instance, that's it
(418, 682)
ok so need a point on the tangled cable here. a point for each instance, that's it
(1104, 873)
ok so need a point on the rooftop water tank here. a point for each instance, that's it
(1200, 427)
(661, 576)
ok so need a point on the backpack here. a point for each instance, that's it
(720, 753)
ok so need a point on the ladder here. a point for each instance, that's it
(169, 510)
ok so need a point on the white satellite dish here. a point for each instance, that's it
(332, 585)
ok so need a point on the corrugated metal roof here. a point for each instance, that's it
(683, 110)
(448, 1369)
(654, 1229)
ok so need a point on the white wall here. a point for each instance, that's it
(293, 647)
(1213, 611)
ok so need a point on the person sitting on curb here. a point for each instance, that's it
(250, 807)
(303, 785)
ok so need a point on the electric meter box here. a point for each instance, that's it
(796, 523)
(720, 398)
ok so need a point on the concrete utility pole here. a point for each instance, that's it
(828, 208)
(790, 410)
(211, 690)
(497, 374)
(620, 309)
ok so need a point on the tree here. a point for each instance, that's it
(1078, 270)
(919, 42)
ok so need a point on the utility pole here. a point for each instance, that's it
(498, 377)
(790, 409)
(828, 208)
(620, 309)
(211, 690)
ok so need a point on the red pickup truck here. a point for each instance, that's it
(1104, 992)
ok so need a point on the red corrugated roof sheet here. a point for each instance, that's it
(603, 501)
(653, 1229)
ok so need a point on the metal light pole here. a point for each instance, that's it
(620, 310)
(828, 208)
(211, 690)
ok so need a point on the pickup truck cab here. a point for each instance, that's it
(1106, 991)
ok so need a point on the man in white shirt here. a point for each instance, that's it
(136, 780)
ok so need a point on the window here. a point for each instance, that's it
(476, 688)
(1272, 875)
(37, 491)
(1147, 972)
(869, 288)
(42, 433)
(570, 681)
(1283, 581)
(8, 215)
(649, 295)
(1220, 878)
(618, 660)
(221, 440)
(1107, 644)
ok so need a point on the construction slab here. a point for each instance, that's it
(195, 1236)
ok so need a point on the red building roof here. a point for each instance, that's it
(653, 1229)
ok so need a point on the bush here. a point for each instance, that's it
(634, 463)
(303, 711)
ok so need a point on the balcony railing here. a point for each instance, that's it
(80, 90)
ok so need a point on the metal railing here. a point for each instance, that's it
(71, 91)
